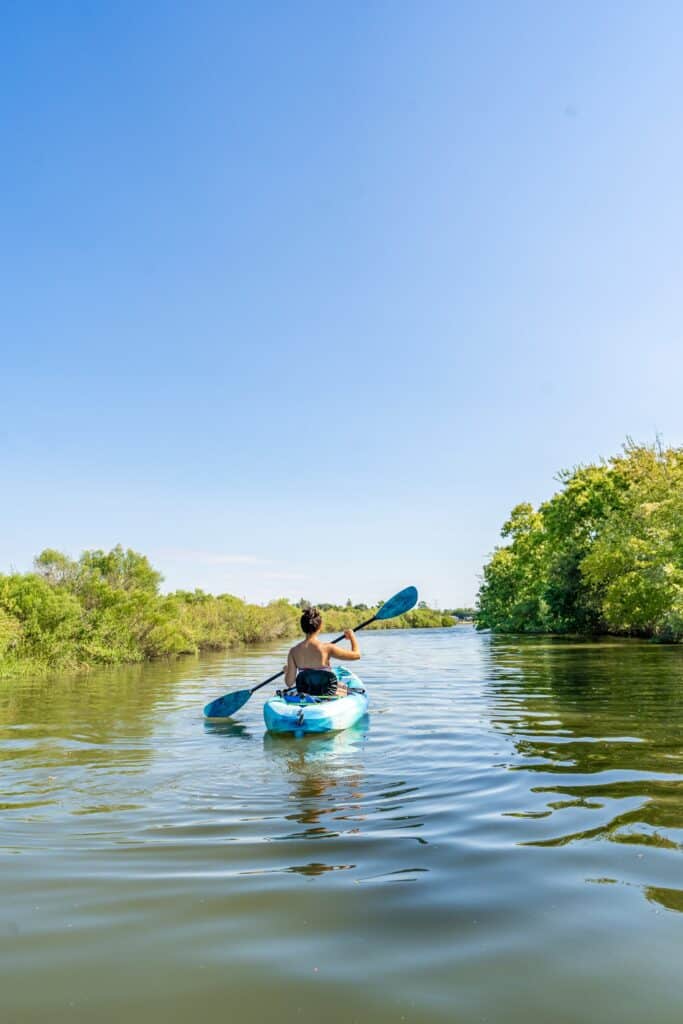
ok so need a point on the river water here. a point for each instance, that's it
(500, 841)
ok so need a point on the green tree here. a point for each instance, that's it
(56, 568)
(511, 597)
(603, 554)
(50, 618)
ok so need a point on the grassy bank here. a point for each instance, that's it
(107, 608)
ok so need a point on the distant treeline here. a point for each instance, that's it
(106, 608)
(337, 617)
(603, 555)
(462, 614)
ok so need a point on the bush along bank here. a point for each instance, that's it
(106, 607)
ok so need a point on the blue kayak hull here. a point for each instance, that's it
(301, 717)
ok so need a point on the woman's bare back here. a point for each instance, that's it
(311, 654)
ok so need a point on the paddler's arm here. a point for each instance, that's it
(290, 670)
(341, 653)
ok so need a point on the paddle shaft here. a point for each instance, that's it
(282, 671)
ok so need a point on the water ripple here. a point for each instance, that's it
(508, 802)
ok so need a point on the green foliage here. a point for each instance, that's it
(336, 618)
(46, 619)
(216, 623)
(464, 614)
(10, 632)
(604, 554)
(106, 608)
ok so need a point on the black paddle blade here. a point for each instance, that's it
(398, 604)
(226, 706)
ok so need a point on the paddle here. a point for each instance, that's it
(226, 706)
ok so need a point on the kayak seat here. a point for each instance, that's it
(318, 682)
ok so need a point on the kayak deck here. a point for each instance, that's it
(302, 714)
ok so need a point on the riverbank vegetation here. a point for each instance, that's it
(603, 555)
(337, 618)
(107, 608)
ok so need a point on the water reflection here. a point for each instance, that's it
(94, 708)
(232, 729)
(594, 724)
(312, 870)
(670, 899)
(324, 776)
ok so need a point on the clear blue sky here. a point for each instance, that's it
(301, 298)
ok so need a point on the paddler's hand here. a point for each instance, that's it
(349, 635)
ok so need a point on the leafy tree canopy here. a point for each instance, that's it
(604, 554)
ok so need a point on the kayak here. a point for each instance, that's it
(301, 713)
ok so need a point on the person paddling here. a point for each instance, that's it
(308, 663)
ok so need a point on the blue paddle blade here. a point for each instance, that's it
(226, 706)
(398, 604)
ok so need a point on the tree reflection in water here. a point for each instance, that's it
(599, 723)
